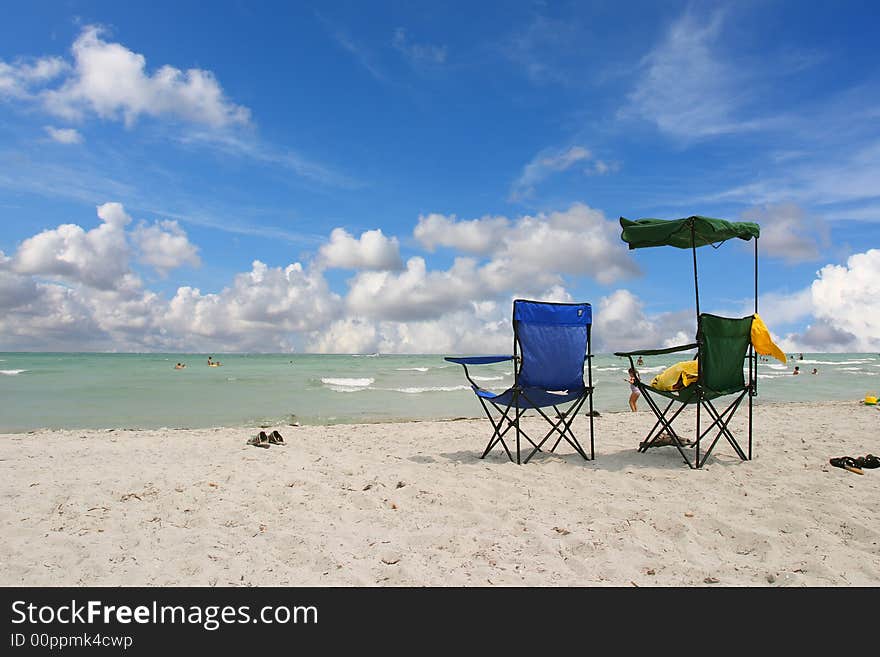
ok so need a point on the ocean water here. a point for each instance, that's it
(69, 390)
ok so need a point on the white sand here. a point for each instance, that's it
(411, 504)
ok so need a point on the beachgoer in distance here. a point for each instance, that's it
(797, 370)
(640, 362)
(209, 361)
(633, 388)
(815, 371)
(179, 366)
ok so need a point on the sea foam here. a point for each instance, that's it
(348, 383)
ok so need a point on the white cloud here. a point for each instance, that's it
(372, 250)
(72, 288)
(165, 246)
(262, 310)
(64, 135)
(781, 308)
(97, 258)
(528, 257)
(534, 250)
(414, 293)
(845, 298)
(100, 258)
(685, 86)
(17, 79)
(478, 236)
(577, 241)
(846, 174)
(113, 82)
(621, 324)
(788, 232)
(542, 166)
(462, 331)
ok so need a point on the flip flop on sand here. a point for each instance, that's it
(260, 440)
(870, 461)
(847, 463)
(275, 438)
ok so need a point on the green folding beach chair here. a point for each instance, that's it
(723, 343)
(722, 347)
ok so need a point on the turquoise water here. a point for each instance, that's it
(65, 390)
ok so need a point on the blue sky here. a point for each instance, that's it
(388, 176)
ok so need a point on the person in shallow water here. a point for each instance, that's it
(179, 366)
(797, 370)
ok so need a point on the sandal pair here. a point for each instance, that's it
(262, 440)
(847, 463)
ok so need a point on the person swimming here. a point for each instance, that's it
(179, 366)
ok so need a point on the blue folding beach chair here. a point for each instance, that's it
(551, 343)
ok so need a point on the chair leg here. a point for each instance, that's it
(569, 415)
(516, 421)
(498, 435)
(666, 425)
(722, 420)
(651, 437)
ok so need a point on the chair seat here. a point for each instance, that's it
(532, 397)
(689, 395)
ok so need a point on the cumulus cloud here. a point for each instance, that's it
(462, 331)
(844, 308)
(476, 236)
(621, 324)
(577, 241)
(260, 311)
(97, 258)
(373, 250)
(111, 81)
(165, 246)
(788, 232)
(19, 78)
(74, 288)
(414, 293)
(64, 135)
(100, 258)
(526, 257)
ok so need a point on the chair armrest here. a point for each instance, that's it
(478, 360)
(657, 352)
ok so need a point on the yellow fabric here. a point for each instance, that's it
(762, 341)
(679, 376)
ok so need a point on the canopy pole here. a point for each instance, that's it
(756, 275)
(696, 284)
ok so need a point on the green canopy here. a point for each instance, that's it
(679, 232)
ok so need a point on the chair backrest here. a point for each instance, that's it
(723, 345)
(553, 339)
